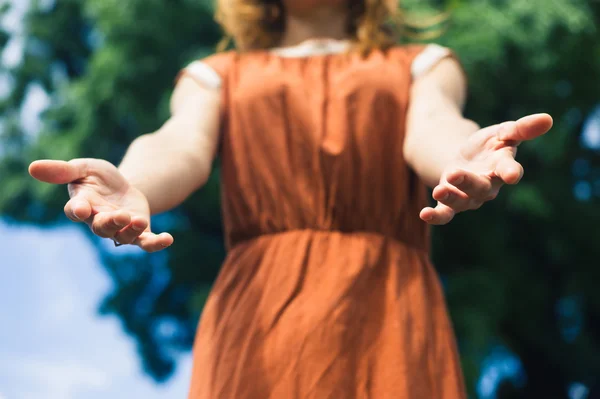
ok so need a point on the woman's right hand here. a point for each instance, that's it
(102, 198)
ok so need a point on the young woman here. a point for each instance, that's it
(328, 135)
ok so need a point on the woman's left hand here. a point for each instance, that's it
(485, 162)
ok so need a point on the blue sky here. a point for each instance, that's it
(53, 344)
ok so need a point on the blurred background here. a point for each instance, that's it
(81, 319)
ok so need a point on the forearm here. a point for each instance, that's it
(165, 167)
(436, 128)
(435, 141)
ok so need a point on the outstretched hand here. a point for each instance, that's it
(485, 162)
(102, 198)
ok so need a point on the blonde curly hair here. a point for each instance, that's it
(260, 24)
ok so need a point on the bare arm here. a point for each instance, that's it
(171, 163)
(464, 164)
(159, 171)
(436, 128)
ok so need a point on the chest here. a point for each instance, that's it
(346, 108)
(309, 85)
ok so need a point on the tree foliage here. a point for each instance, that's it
(519, 273)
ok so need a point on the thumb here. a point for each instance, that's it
(58, 172)
(526, 128)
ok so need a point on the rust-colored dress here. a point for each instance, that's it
(327, 290)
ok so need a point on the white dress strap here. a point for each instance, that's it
(428, 58)
(204, 75)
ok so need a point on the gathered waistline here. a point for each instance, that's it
(349, 234)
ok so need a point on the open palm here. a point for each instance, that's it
(485, 162)
(104, 199)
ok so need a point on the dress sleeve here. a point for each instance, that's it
(212, 72)
(428, 58)
(209, 72)
(424, 58)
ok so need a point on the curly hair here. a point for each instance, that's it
(260, 24)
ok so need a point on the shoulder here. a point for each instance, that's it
(423, 58)
(437, 69)
(202, 78)
(209, 71)
(215, 70)
(220, 62)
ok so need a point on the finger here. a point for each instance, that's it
(472, 184)
(451, 197)
(131, 232)
(526, 128)
(509, 170)
(497, 184)
(439, 215)
(151, 242)
(78, 209)
(58, 172)
(107, 224)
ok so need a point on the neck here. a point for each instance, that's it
(321, 23)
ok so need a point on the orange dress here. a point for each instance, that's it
(327, 290)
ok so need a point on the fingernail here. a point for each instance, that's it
(74, 212)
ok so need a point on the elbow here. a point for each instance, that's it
(185, 160)
(416, 158)
(197, 165)
(204, 170)
(143, 142)
(409, 151)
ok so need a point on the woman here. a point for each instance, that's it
(328, 135)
